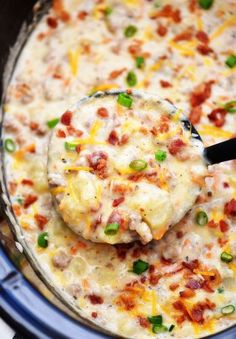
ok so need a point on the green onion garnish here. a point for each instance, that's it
(171, 328)
(226, 257)
(130, 31)
(131, 79)
(230, 106)
(19, 200)
(220, 290)
(205, 4)
(140, 266)
(229, 309)
(159, 328)
(160, 155)
(124, 100)
(43, 240)
(9, 145)
(70, 146)
(140, 61)
(52, 123)
(201, 218)
(107, 11)
(112, 229)
(138, 165)
(231, 61)
(156, 319)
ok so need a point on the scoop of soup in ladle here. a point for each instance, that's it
(125, 166)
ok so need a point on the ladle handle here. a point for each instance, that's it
(223, 151)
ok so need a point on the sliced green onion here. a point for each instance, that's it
(130, 31)
(125, 100)
(52, 123)
(43, 240)
(19, 200)
(156, 319)
(140, 61)
(231, 61)
(70, 146)
(229, 309)
(131, 79)
(107, 11)
(205, 4)
(226, 257)
(171, 328)
(9, 145)
(159, 328)
(160, 155)
(201, 218)
(140, 266)
(112, 229)
(230, 106)
(138, 165)
(220, 290)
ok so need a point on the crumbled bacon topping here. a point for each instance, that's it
(113, 138)
(95, 299)
(52, 22)
(98, 162)
(27, 182)
(94, 315)
(188, 293)
(224, 227)
(217, 116)
(195, 115)
(185, 35)
(191, 265)
(40, 220)
(176, 146)
(102, 112)
(60, 133)
(66, 118)
(168, 11)
(161, 30)
(201, 93)
(115, 74)
(165, 84)
(82, 15)
(202, 36)
(118, 201)
(230, 208)
(143, 322)
(204, 49)
(194, 284)
(29, 200)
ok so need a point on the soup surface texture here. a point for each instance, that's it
(176, 50)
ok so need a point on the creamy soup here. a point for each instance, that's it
(184, 284)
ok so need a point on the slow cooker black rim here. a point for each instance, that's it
(12, 280)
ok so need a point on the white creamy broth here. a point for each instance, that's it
(79, 48)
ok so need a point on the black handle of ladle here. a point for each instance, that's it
(223, 151)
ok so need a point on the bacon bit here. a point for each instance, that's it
(117, 202)
(30, 148)
(40, 220)
(151, 269)
(82, 15)
(165, 261)
(115, 74)
(194, 284)
(197, 314)
(41, 36)
(188, 293)
(176, 146)
(168, 12)
(60, 133)
(16, 210)
(212, 224)
(73, 131)
(195, 115)
(154, 130)
(161, 30)
(122, 249)
(126, 301)
(66, 118)
(224, 227)
(12, 187)
(217, 116)
(226, 185)
(60, 11)
(173, 286)
(206, 286)
(79, 245)
(33, 125)
(179, 306)
(95, 299)
(204, 49)
(94, 315)
(191, 265)
(102, 112)
(29, 200)
(113, 138)
(222, 241)
(201, 93)
(27, 182)
(124, 139)
(135, 48)
(179, 234)
(78, 148)
(52, 22)
(165, 84)
(202, 36)
(143, 322)
(154, 278)
(192, 5)
(184, 36)
(230, 208)
(98, 161)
